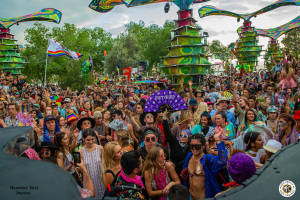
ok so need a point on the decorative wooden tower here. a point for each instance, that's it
(187, 58)
(10, 58)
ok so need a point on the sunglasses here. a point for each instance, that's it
(195, 146)
(183, 135)
(45, 153)
(148, 139)
(282, 123)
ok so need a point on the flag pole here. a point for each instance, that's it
(46, 65)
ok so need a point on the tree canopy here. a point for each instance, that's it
(63, 69)
(291, 42)
(138, 42)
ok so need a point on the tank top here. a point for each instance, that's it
(93, 165)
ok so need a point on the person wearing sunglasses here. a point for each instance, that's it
(200, 169)
(150, 139)
(46, 151)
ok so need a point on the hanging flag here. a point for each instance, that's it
(118, 67)
(127, 72)
(56, 49)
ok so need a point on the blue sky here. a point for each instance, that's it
(219, 27)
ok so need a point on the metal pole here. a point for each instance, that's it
(46, 65)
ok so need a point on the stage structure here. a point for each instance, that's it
(10, 58)
(187, 58)
(274, 54)
(247, 49)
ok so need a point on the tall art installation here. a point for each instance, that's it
(274, 54)
(10, 58)
(247, 49)
(187, 58)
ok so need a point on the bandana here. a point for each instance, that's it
(137, 180)
(32, 154)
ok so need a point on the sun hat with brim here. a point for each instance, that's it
(49, 145)
(272, 146)
(222, 99)
(297, 115)
(86, 118)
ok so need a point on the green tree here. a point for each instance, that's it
(153, 40)
(291, 42)
(219, 51)
(124, 53)
(66, 71)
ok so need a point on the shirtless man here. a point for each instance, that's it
(202, 168)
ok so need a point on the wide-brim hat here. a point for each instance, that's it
(49, 145)
(86, 118)
(223, 99)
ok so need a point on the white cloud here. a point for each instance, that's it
(219, 27)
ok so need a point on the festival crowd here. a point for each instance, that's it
(103, 137)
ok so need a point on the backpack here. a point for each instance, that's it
(112, 190)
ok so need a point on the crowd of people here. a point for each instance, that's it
(103, 137)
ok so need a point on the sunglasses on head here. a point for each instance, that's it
(195, 146)
(147, 139)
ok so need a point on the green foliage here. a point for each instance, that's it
(273, 55)
(139, 43)
(125, 52)
(65, 71)
(219, 51)
(291, 42)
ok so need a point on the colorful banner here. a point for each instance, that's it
(211, 10)
(106, 5)
(46, 14)
(275, 33)
(127, 72)
(56, 49)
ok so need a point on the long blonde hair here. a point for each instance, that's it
(202, 107)
(108, 161)
(150, 163)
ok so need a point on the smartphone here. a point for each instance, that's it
(77, 158)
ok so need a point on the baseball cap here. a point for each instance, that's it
(49, 118)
